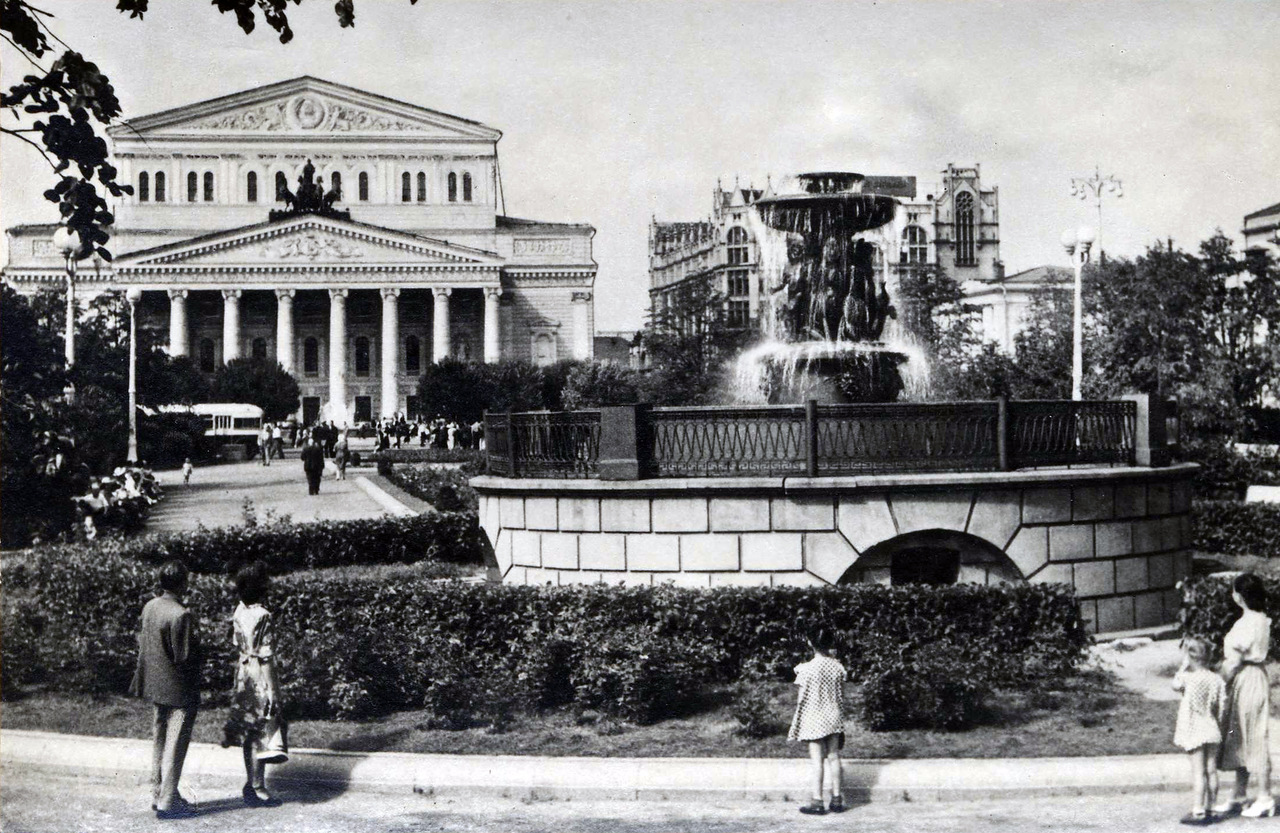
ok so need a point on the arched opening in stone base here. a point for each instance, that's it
(933, 556)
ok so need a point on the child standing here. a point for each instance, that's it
(255, 722)
(819, 718)
(1204, 695)
(187, 468)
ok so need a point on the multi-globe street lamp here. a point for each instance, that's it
(1077, 242)
(133, 296)
(67, 242)
(1097, 185)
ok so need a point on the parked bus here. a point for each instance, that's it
(226, 423)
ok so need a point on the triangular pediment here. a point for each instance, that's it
(306, 107)
(305, 242)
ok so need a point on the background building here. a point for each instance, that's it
(412, 258)
(1006, 301)
(955, 225)
(1262, 230)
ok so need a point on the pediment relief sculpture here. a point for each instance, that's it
(312, 246)
(308, 112)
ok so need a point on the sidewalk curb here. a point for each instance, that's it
(677, 779)
(383, 499)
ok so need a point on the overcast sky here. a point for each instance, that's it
(613, 112)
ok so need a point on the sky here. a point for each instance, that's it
(616, 112)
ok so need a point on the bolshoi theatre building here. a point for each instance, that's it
(351, 237)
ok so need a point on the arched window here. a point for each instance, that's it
(362, 356)
(159, 186)
(208, 187)
(915, 246)
(260, 348)
(311, 356)
(406, 187)
(364, 187)
(335, 184)
(193, 186)
(466, 187)
(966, 254)
(144, 187)
(422, 187)
(412, 355)
(206, 356)
(453, 187)
(739, 250)
(282, 186)
(251, 187)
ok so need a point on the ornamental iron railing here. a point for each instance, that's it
(818, 440)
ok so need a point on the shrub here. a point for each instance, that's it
(754, 711)
(285, 546)
(932, 688)
(636, 675)
(1233, 528)
(428, 455)
(448, 490)
(1208, 611)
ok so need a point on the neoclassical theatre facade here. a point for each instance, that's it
(352, 237)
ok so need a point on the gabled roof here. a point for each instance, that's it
(1271, 209)
(1048, 275)
(300, 105)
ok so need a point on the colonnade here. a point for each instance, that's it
(179, 339)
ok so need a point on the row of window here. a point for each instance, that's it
(311, 354)
(147, 179)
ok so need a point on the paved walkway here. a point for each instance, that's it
(217, 493)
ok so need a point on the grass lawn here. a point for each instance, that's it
(1091, 715)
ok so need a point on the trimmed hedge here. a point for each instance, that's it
(1208, 611)
(418, 454)
(361, 646)
(1235, 528)
(284, 546)
(448, 490)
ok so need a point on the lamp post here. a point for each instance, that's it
(133, 296)
(1096, 185)
(67, 242)
(1077, 242)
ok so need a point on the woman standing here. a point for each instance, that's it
(1245, 745)
(254, 722)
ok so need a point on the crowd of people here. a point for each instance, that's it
(400, 432)
(119, 501)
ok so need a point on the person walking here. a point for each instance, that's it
(1246, 741)
(277, 440)
(312, 465)
(1197, 731)
(255, 723)
(187, 469)
(168, 675)
(819, 719)
(341, 455)
(264, 444)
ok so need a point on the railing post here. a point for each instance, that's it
(811, 437)
(621, 436)
(1002, 433)
(511, 445)
(1150, 441)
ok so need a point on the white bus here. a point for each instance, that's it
(231, 422)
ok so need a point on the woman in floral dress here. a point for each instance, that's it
(255, 723)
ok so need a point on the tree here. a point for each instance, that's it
(71, 95)
(594, 384)
(690, 343)
(258, 382)
(933, 313)
(463, 391)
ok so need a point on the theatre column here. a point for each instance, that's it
(440, 324)
(492, 325)
(582, 347)
(338, 356)
(284, 328)
(178, 323)
(390, 350)
(230, 324)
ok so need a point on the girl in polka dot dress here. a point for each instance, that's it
(819, 718)
(1197, 733)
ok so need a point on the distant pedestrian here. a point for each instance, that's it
(312, 465)
(264, 444)
(1246, 741)
(277, 440)
(168, 675)
(341, 455)
(819, 719)
(1197, 732)
(255, 722)
(187, 468)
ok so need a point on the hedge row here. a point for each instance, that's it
(1235, 528)
(415, 454)
(358, 646)
(1208, 610)
(450, 536)
(447, 489)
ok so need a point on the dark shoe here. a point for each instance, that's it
(258, 797)
(1196, 819)
(837, 805)
(814, 808)
(181, 809)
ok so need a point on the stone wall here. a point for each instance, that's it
(1120, 536)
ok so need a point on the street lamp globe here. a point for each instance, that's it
(1069, 239)
(66, 241)
(133, 295)
(1086, 235)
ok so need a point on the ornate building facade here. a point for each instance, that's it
(352, 237)
(955, 225)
